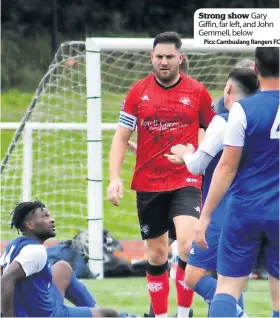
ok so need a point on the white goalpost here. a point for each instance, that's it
(59, 152)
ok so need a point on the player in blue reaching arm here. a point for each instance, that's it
(250, 166)
(30, 287)
(241, 82)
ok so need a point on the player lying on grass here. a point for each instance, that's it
(249, 166)
(241, 82)
(30, 287)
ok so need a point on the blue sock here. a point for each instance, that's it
(241, 302)
(223, 305)
(275, 314)
(78, 294)
(206, 288)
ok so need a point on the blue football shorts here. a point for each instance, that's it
(206, 259)
(62, 310)
(241, 238)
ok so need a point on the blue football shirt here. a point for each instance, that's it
(33, 295)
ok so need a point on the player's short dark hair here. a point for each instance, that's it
(22, 210)
(247, 80)
(168, 37)
(267, 61)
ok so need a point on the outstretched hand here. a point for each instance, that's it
(174, 159)
(180, 150)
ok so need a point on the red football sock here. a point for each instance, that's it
(184, 293)
(159, 290)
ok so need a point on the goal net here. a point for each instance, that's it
(55, 161)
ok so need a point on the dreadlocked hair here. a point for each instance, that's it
(22, 210)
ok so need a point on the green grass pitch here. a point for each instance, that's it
(131, 295)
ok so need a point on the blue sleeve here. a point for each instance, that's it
(220, 108)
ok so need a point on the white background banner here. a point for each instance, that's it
(237, 27)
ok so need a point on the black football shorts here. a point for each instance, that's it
(156, 210)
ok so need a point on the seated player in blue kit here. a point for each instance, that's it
(241, 82)
(30, 287)
(249, 166)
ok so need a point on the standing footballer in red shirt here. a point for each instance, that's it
(167, 108)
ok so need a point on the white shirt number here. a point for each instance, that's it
(275, 132)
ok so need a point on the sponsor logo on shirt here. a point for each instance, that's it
(192, 251)
(185, 101)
